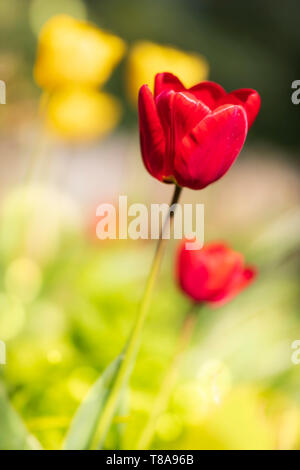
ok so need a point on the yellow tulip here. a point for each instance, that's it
(146, 59)
(80, 114)
(74, 51)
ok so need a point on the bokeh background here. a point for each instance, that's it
(68, 300)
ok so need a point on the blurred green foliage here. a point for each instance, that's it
(238, 387)
(68, 301)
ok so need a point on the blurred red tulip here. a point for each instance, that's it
(215, 274)
(192, 136)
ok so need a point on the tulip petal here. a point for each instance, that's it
(222, 263)
(208, 273)
(238, 283)
(180, 111)
(215, 274)
(246, 97)
(151, 134)
(165, 82)
(206, 153)
(209, 93)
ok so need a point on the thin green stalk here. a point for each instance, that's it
(165, 391)
(133, 343)
(35, 160)
(37, 156)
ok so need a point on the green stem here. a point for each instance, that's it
(37, 156)
(167, 386)
(34, 160)
(134, 340)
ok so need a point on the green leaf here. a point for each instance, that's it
(85, 421)
(119, 423)
(13, 433)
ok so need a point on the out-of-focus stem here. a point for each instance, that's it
(132, 346)
(38, 154)
(169, 381)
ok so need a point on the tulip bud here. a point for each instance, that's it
(214, 275)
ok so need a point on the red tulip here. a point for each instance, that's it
(191, 137)
(215, 274)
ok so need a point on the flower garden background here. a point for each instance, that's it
(68, 301)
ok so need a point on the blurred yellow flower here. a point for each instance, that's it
(80, 114)
(146, 59)
(75, 51)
